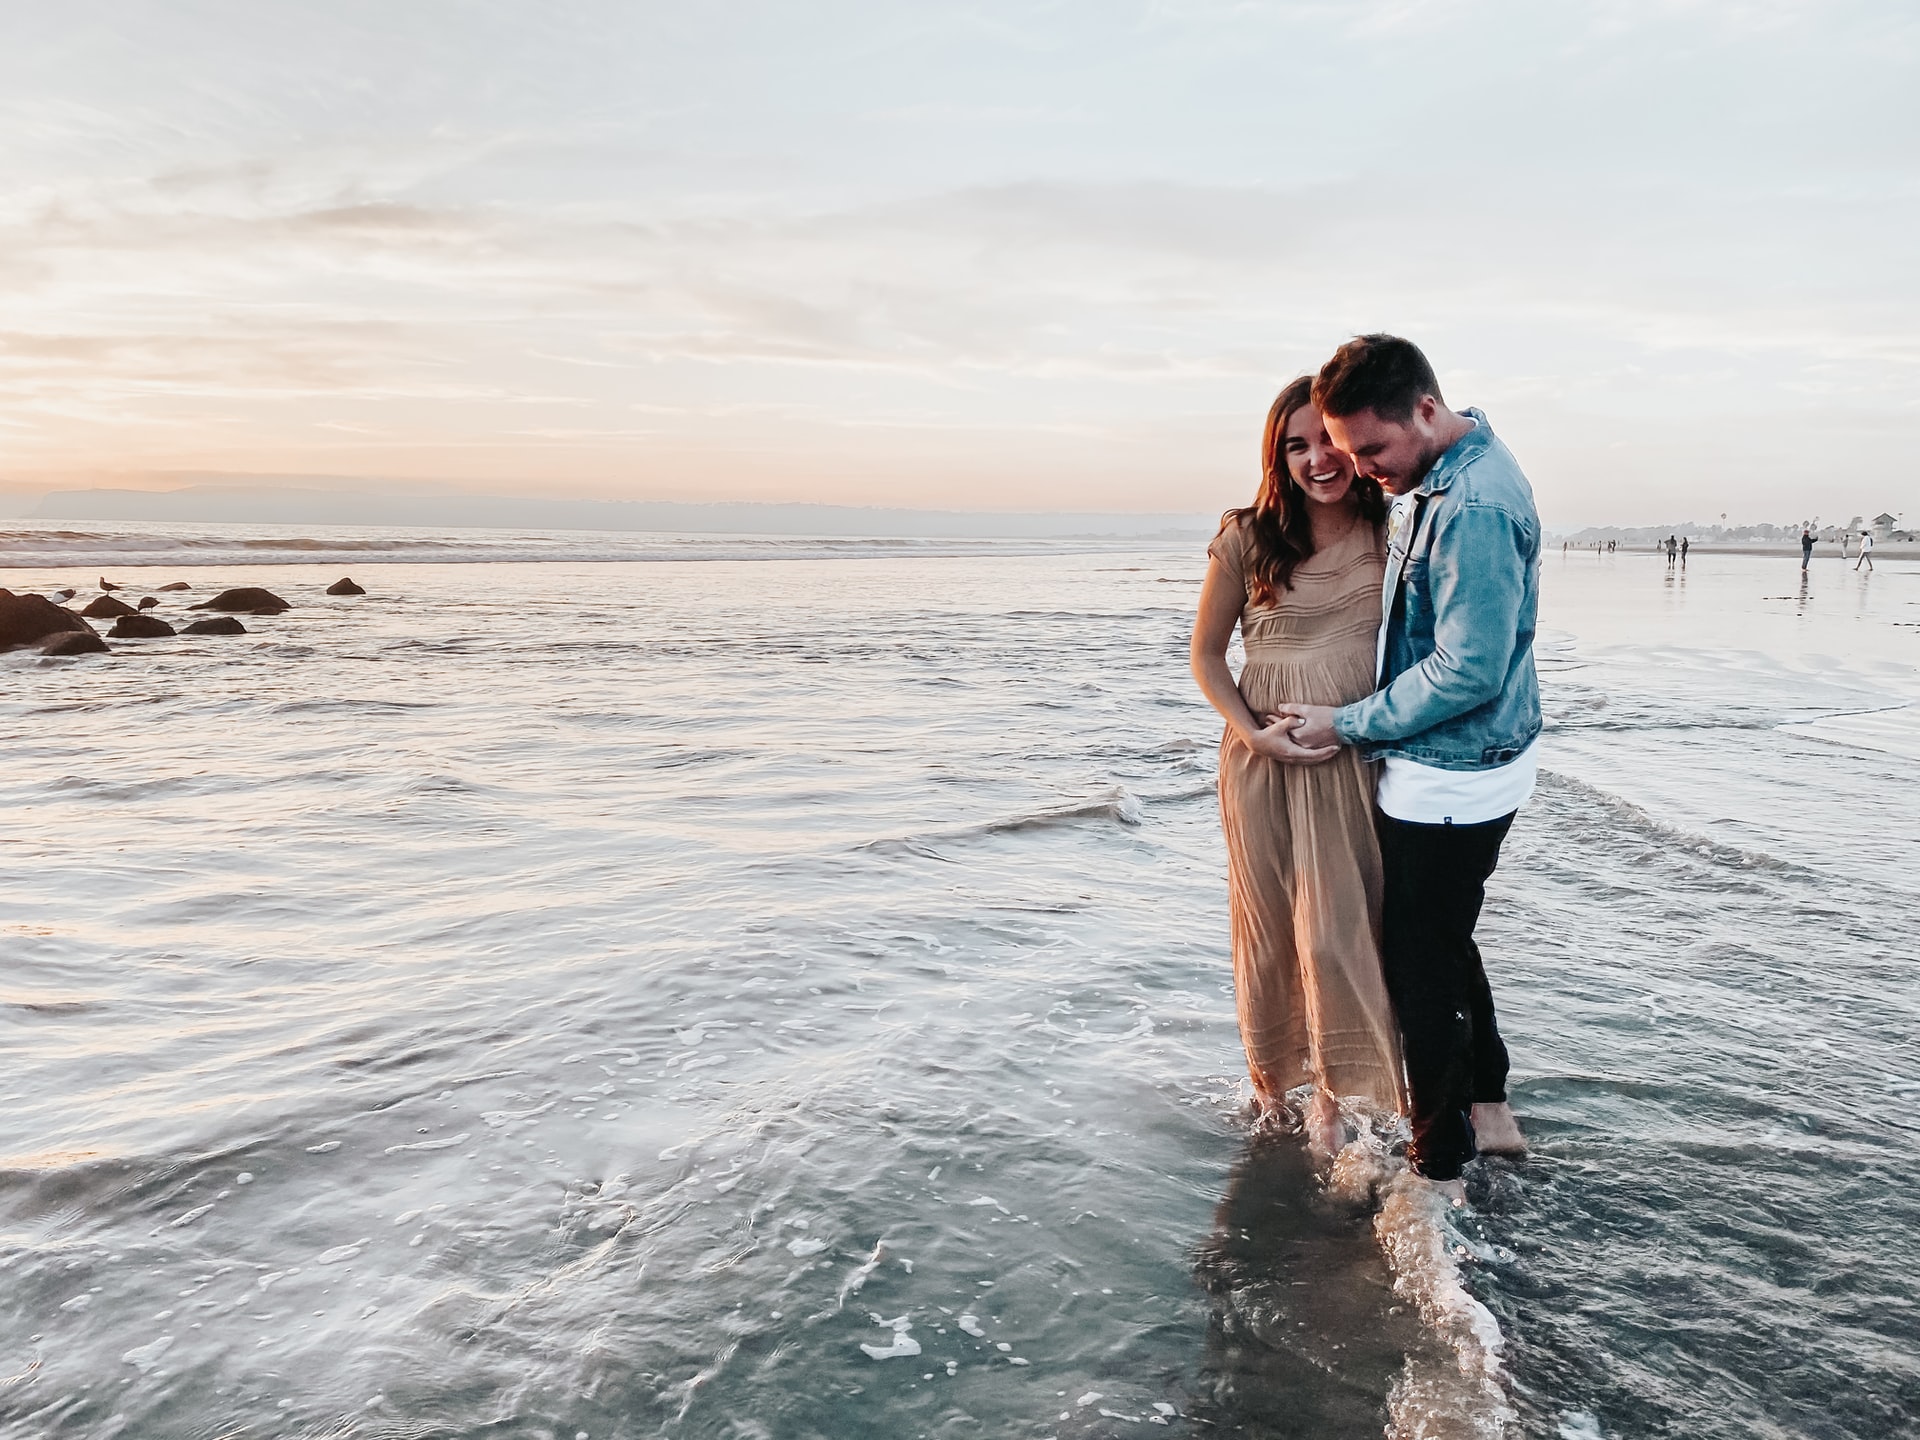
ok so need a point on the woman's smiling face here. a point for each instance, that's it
(1323, 472)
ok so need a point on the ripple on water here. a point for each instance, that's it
(658, 1036)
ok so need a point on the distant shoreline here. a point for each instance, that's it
(1825, 550)
(62, 550)
(43, 547)
(293, 507)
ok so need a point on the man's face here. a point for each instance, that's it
(1397, 453)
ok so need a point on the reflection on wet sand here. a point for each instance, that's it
(1305, 1337)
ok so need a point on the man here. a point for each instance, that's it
(1806, 546)
(1454, 722)
(1866, 550)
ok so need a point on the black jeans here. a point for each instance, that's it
(1436, 877)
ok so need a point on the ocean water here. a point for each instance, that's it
(737, 989)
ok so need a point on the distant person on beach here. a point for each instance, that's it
(1683, 552)
(1806, 546)
(1454, 724)
(1299, 572)
(1866, 551)
(1673, 549)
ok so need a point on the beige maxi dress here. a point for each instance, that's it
(1303, 866)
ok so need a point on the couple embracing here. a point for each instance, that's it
(1378, 742)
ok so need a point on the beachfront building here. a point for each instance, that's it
(1883, 525)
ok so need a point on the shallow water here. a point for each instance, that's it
(621, 998)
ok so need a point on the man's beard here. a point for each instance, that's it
(1421, 471)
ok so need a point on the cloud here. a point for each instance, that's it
(1046, 250)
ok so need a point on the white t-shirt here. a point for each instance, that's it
(1429, 796)
(1866, 541)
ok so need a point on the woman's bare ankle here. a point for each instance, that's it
(1326, 1130)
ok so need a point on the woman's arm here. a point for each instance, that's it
(1221, 598)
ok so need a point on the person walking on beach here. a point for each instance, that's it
(1454, 724)
(1299, 572)
(1866, 551)
(1806, 546)
(1683, 551)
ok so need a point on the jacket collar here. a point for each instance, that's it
(1457, 456)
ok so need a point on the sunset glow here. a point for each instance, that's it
(990, 258)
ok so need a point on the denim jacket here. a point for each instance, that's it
(1457, 684)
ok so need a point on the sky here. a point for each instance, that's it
(988, 256)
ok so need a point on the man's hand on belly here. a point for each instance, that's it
(1313, 729)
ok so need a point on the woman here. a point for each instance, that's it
(1299, 571)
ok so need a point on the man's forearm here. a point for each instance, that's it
(1429, 694)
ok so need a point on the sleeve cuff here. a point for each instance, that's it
(1346, 723)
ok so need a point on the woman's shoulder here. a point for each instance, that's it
(1230, 543)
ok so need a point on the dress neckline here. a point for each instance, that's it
(1362, 532)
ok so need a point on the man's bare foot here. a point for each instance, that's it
(1326, 1131)
(1496, 1132)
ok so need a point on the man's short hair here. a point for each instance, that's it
(1381, 373)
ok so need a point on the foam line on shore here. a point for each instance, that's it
(1459, 1394)
(1456, 1389)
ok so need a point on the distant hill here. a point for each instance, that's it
(275, 506)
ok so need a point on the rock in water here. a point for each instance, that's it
(140, 627)
(105, 607)
(220, 625)
(344, 586)
(29, 619)
(75, 642)
(176, 585)
(247, 600)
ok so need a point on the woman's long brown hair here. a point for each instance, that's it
(1279, 532)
